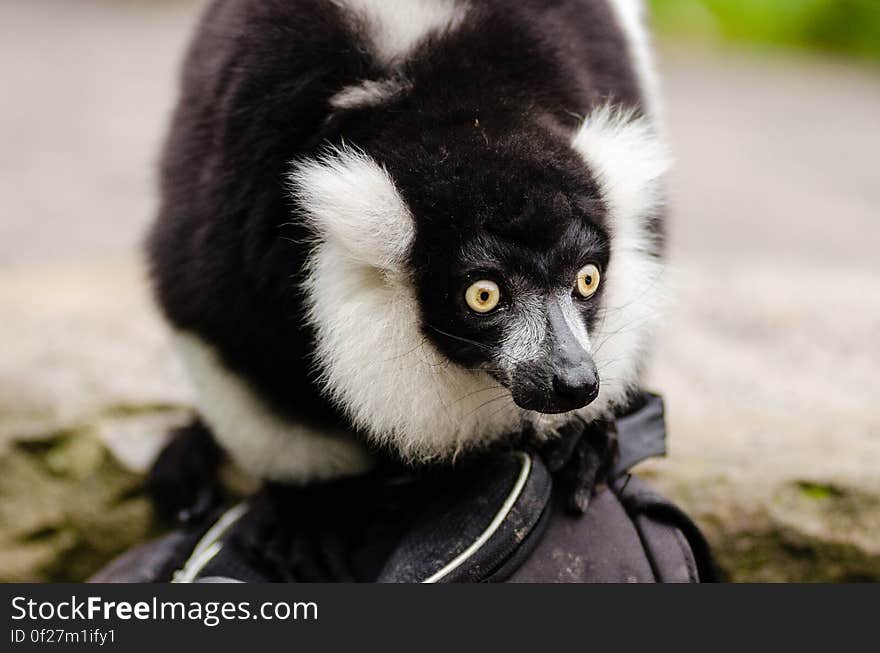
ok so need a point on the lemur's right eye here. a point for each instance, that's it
(482, 296)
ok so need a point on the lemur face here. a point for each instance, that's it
(508, 272)
(521, 310)
(470, 285)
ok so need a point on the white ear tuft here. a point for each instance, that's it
(351, 201)
(629, 159)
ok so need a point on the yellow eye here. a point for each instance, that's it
(483, 296)
(588, 280)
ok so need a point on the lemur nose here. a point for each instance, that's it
(575, 387)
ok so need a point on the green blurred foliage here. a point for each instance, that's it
(846, 26)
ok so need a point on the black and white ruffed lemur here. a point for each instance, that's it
(407, 229)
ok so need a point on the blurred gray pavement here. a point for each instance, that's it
(776, 155)
(87, 88)
(769, 357)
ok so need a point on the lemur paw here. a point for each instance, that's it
(580, 460)
(183, 483)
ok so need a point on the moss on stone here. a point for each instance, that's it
(66, 508)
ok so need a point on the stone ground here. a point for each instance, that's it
(768, 360)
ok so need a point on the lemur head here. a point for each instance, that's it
(473, 281)
(481, 261)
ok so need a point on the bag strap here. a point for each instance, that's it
(674, 544)
(480, 535)
(210, 544)
(641, 433)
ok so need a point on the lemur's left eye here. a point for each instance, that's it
(483, 296)
(588, 280)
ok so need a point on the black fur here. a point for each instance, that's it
(183, 482)
(479, 149)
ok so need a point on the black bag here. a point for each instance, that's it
(501, 521)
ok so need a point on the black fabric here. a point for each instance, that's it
(231, 563)
(667, 549)
(600, 546)
(451, 526)
(644, 504)
(338, 531)
(405, 527)
(641, 433)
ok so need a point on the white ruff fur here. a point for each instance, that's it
(375, 362)
(260, 442)
(392, 383)
(395, 27)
